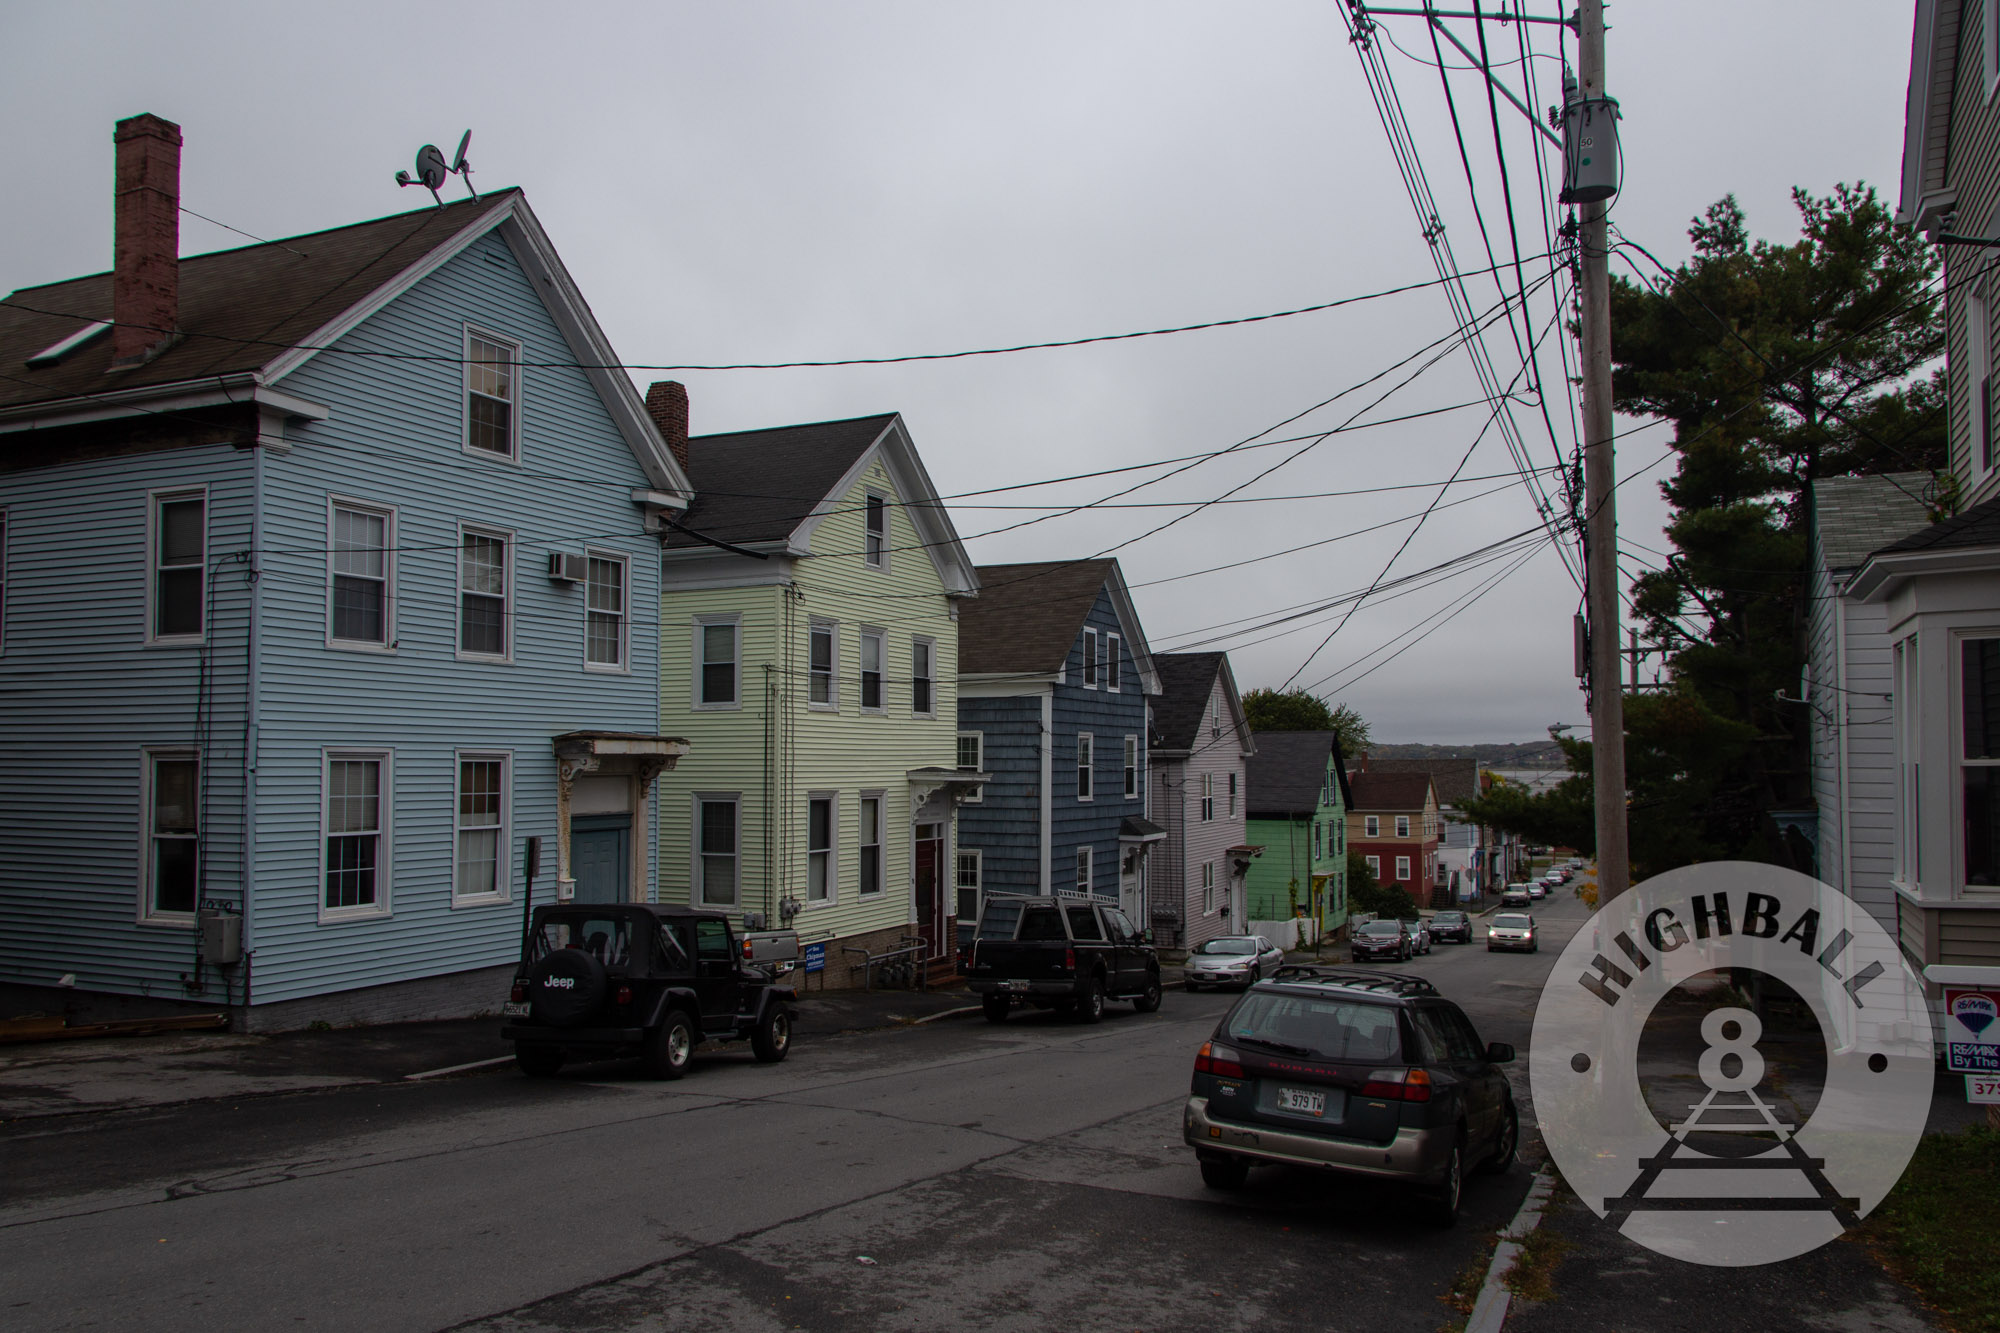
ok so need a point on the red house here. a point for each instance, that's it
(1393, 824)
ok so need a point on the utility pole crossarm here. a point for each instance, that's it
(1498, 86)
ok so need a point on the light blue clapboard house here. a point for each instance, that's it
(330, 579)
(1054, 695)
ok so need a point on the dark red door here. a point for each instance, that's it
(931, 913)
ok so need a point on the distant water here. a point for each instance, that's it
(1534, 779)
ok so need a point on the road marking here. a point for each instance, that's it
(460, 1069)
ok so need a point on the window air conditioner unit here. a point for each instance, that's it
(567, 568)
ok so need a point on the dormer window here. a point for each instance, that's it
(492, 395)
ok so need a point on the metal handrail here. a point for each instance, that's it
(910, 945)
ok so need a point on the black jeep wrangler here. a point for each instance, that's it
(602, 980)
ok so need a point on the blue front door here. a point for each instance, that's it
(600, 847)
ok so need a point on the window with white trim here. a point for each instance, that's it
(823, 665)
(1111, 656)
(1402, 826)
(1090, 659)
(178, 567)
(479, 869)
(923, 677)
(485, 586)
(1374, 867)
(1207, 887)
(356, 878)
(1131, 767)
(1402, 868)
(1371, 826)
(604, 622)
(972, 758)
(1979, 764)
(966, 881)
(1207, 797)
(875, 530)
(872, 643)
(1084, 765)
(360, 570)
(1083, 870)
(820, 865)
(716, 824)
(492, 394)
(1909, 809)
(1981, 300)
(869, 845)
(172, 804)
(718, 642)
(1319, 832)
(1232, 795)
(1214, 716)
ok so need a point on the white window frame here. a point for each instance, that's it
(154, 501)
(1086, 871)
(1207, 888)
(507, 561)
(502, 890)
(388, 514)
(150, 757)
(1131, 768)
(831, 851)
(928, 647)
(1906, 698)
(697, 676)
(1982, 448)
(1371, 826)
(515, 435)
(1962, 761)
(1232, 793)
(861, 844)
(978, 885)
(881, 639)
(978, 739)
(697, 881)
(831, 629)
(1402, 869)
(1208, 798)
(872, 555)
(385, 816)
(623, 666)
(1319, 836)
(1086, 766)
(1111, 673)
(1092, 666)
(1402, 826)
(1214, 716)
(1374, 867)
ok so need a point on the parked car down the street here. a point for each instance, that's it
(1354, 1071)
(1453, 926)
(1515, 895)
(1231, 960)
(1511, 930)
(1383, 938)
(1065, 954)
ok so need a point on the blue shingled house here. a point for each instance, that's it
(329, 576)
(1053, 702)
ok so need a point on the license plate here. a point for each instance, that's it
(1305, 1101)
(514, 1008)
(1017, 985)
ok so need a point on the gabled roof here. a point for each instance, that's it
(1187, 680)
(1375, 792)
(251, 316)
(1028, 616)
(772, 487)
(1855, 516)
(1288, 771)
(1455, 781)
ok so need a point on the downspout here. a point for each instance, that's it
(1048, 778)
(771, 921)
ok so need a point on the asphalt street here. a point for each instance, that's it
(952, 1175)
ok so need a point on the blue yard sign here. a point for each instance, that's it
(816, 957)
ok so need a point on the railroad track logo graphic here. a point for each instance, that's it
(1734, 1175)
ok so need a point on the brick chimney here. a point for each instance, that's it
(146, 277)
(667, 404)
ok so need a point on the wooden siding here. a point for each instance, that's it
(81, 694)
(1968, 938)
(842, 750)
(1109, 718)
(1005, 824)
(1973, 169)
(1281, 879)
(1175, 869)
(395, 439)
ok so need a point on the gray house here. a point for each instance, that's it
(1199, 795)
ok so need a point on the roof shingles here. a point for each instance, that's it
(1027, 616)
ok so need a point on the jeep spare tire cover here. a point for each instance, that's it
(565, 987)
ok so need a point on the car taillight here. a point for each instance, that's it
(1218, 1060)
(1069, 959)
(520, 991)
(624, 995)
(1398, 1085)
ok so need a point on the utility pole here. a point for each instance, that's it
(1591, 120)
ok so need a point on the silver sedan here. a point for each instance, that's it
(1231, 960)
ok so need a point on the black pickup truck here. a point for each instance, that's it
(1066, 954)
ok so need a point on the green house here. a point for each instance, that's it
(1297, 807)
(809, 654)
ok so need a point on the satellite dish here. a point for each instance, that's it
(432, 170)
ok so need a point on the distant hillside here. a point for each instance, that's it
(1523, 754)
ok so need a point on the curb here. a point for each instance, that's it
(965, 1012)
(466, 1068)
(1489, 1312)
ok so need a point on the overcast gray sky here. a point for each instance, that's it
(779, 181)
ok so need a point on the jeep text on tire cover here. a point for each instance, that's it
(559, 983)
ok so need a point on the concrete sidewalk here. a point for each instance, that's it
(55, 1078)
